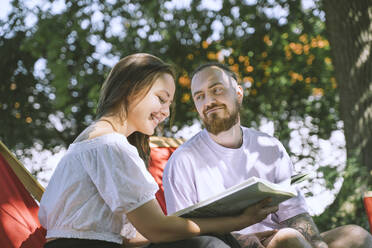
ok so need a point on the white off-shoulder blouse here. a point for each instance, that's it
(94, 185)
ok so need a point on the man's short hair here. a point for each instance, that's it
(219, 65)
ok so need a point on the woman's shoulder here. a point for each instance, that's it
(94, 130)
(100, 135)
(103, 142)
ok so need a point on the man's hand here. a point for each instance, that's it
(258, 212)
(253, 240)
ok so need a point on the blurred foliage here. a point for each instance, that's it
(352, 20)
(283, 61)
(348, 207)
(54, 61)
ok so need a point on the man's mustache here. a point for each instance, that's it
(214, 105)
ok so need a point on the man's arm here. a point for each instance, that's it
(306, 226)
(179, 189)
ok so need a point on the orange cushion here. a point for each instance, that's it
(158, 158)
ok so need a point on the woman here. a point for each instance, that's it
(101, 192)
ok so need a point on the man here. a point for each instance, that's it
(225, 154)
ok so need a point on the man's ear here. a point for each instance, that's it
(239, 93)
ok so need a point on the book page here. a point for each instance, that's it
(237, 198)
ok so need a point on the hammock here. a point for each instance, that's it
(19, 225)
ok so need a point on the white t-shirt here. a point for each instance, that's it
(201, 168)
(94, 185)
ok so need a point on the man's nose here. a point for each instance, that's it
(209, 100)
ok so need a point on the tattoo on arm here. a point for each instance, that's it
(305, 225)
(85, 134)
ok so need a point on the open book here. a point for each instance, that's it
(237, 198)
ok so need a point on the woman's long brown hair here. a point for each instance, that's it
(131, 78)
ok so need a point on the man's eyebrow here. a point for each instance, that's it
(196, 92)
(209, 87)
(214, 84)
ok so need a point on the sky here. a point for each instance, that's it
(5, 8)
(331, 151)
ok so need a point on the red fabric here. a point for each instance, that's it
(19, 224)
(159, 157)
(368, 206)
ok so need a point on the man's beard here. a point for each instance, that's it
(215, 124)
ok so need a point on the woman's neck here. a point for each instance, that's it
(117, 125)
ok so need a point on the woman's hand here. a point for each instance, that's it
(137, 241)
(319, 244)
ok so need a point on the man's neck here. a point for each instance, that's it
(232, 138)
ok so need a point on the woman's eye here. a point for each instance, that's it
(162, 100)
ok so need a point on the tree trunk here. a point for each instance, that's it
(349, 27)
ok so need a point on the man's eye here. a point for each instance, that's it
(218, 90)
(199, 97)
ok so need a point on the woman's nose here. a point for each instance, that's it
(165, 111)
